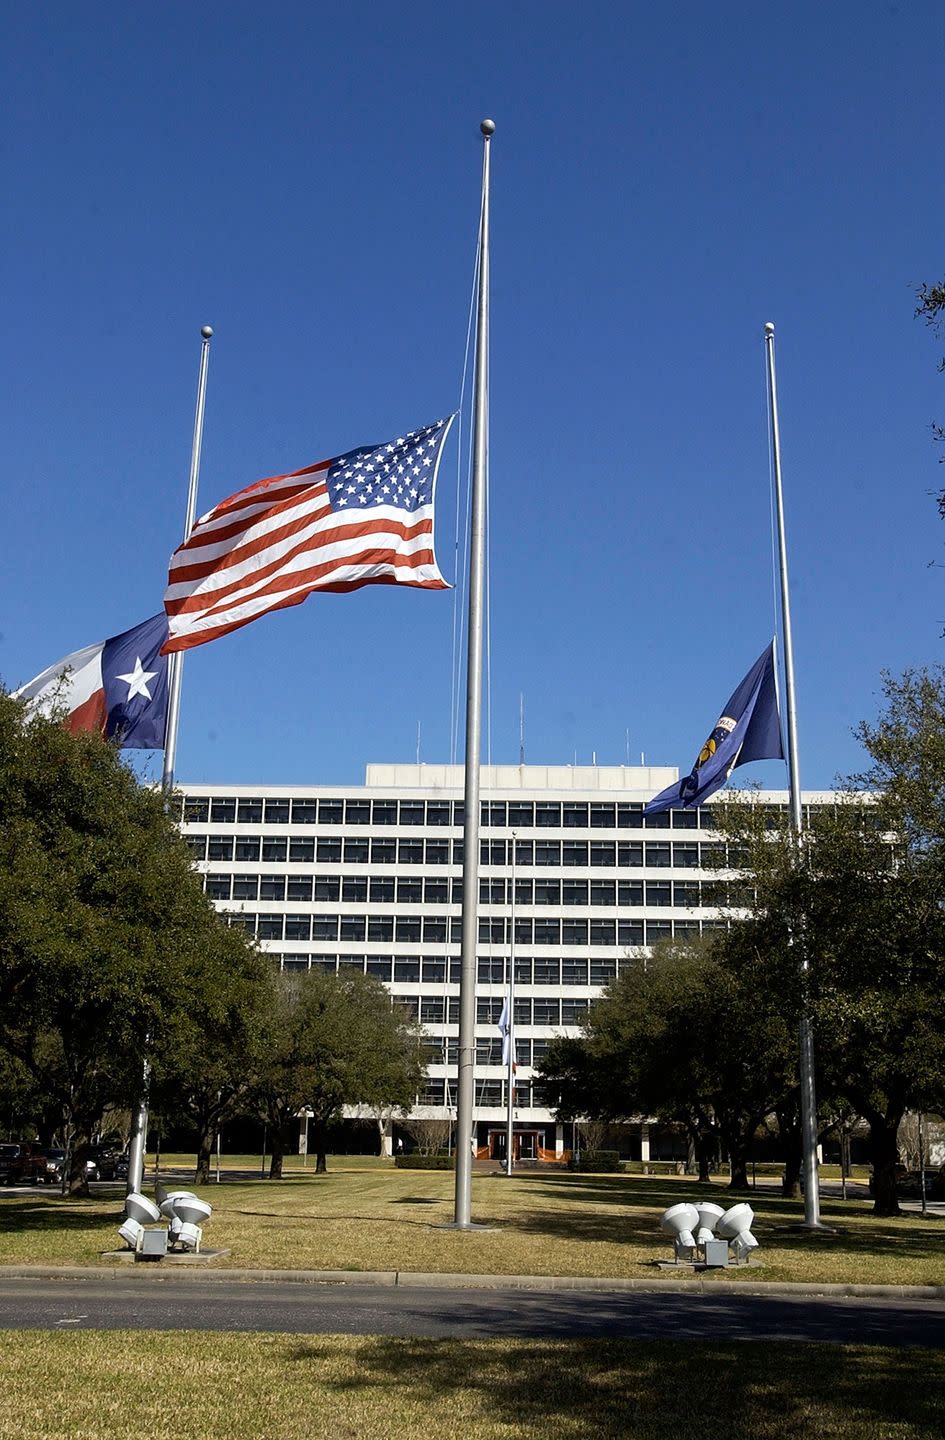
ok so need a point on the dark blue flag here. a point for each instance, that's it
(749, 728)
(134, 679)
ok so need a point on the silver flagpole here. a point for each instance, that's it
(465, 1139)
(808, 1093)
(510, 1066)
(175, 664)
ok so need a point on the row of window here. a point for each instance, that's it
(444, 1050)
(413, 890)
(540, 969)
(433, 930)
(514, 814)
(490, 1094)
(710, 855)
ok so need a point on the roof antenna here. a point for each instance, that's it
(521, 727)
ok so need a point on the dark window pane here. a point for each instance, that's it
(245, 887)
(546, 1011)
(574, 853)
(379, 966)
(409, 890)
(630, 852)
(270, 927)
(629, 817)
(302, 852)
(220, 847)
(247, 847)
(330, 812)
(272, 887)
(354, 889)
(357, 851)
(410, 852)
(658, 930)
(629, 932)
(406, 969)
(197, 845)
(299, 887)
(603, 971)
(408, 928)
(438, 852)
(574, 932)
(274, 849)
(298, 927)
(603, 817)
(547, 852)
(304, 812)
(547, 932)
(250, 812)
(521, 814)
(630, 892)
(438, 812)
(218, 887)
(324, 927)
(327, 887)
(574, 972)
(223, 812)
(383, 852)
(657, 856)
(411, 812)
(574, 817)
(603, 892)
(357, 812)
(657, 892)
(603, 852)
(685, 819)
(436, 891)
(196, 810)
(434, 929)
(277, 812)
(385, 812)
(352, 927)
(603, 932)
(547, 972)
(548, 815)
(380, 927)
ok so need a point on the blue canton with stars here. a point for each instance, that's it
(401, 473)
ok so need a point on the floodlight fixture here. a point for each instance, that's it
(709, 1217)
(679, 1221)
(735, 1225)
(131, 1232)
(140, 1208)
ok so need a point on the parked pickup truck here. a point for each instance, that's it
(22, 1164)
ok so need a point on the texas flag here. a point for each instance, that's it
(118, 687)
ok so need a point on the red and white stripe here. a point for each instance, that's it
(72, 687)
(271, 545)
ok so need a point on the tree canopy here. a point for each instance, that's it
(108, 947)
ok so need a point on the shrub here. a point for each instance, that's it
(598, 1161)
(416, 1161)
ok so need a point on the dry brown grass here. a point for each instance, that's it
(361, 1217)
(109, 1385)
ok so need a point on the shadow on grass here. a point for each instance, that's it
(649, 1389)
(626, 1212)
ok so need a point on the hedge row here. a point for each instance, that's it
(597, 1161)
(417, 1161)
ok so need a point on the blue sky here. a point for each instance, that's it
(306, 179)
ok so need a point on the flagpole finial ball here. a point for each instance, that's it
(206, 331)
(488, 128)
(769, 327)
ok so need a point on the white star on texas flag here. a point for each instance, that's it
(137, 681)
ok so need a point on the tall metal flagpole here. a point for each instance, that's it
(465, 1139)
(510, 1058)
(175, 665)
(808, 1092)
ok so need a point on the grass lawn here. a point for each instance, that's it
(105, 1386)
(373, 1217)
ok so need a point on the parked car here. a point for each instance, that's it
(55, 1159)
(21, 1163)
(112, 1164)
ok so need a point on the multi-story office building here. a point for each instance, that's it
(572, 881)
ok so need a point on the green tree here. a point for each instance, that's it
(104, 929)
(694, 1035)
(334, 1040)
(931, 308)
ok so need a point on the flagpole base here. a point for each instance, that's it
(458, 1225)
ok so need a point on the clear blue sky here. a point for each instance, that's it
(306, 179)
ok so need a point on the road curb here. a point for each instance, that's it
(453, 1281)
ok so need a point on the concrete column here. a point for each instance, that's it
(644, 1142)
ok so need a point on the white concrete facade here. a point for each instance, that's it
(369, 877)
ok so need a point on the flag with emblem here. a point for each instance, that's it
(117, 687)
(363, 518)
(749, 728)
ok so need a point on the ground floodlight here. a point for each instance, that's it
(171, 1199)
(679, 1221)
(735, 1225)
(131, 1232)
(191, 1210)
(190, 1236)
(709, 1217)
(173, 1229)
(140, 1208)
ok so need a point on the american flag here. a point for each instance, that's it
(363, 518)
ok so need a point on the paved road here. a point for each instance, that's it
(184, 1303)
